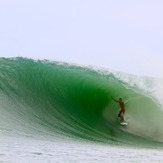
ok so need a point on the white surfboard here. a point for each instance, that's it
(123, 123)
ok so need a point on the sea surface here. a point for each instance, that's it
(60, 112)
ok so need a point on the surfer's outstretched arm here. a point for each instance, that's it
(114, 99)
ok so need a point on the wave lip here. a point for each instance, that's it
(51, 98)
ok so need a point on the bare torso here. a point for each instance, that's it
(122, 104)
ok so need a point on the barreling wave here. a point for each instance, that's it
(52, 98)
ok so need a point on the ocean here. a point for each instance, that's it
(60, 112)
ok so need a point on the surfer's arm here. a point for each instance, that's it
(114, 99)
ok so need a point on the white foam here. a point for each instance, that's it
(152, 87)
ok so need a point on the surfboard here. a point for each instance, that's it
(123, 123)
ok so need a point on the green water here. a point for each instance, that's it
(74, 101)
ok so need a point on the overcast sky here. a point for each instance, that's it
(121, 35)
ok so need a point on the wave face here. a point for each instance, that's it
(58, 99)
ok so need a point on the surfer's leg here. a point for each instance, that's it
(122, 116)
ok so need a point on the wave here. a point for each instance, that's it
(41, 97)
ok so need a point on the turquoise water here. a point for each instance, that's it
(48, 100)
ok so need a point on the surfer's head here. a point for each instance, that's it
(120, 99)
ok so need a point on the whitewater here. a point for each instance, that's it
(60, 112)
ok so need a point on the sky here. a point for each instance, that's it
(126, 35)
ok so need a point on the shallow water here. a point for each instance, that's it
(30, 150)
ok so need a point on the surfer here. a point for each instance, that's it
(122, 111)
